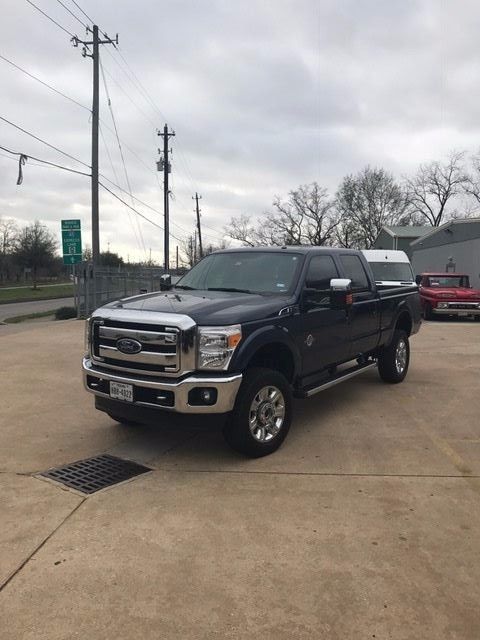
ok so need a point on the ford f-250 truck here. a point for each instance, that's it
(242, 333)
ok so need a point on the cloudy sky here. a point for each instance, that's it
(264, 95)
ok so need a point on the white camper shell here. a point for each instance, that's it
(390, 268)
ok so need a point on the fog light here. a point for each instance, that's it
(202, 396)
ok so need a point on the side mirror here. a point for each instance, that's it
(418, 280)
(340, 293)
(165, 282)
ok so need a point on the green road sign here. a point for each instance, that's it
(71, 241)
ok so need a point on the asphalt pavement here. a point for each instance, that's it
(23, 308)
(364, 524)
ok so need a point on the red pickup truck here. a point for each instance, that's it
(448, 294)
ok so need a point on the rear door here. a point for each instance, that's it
(363, 316)
(325, 338)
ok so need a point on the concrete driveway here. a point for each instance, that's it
(363, 525)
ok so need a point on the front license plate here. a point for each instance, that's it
(463, 313)
(121, 391)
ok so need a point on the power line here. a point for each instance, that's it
(116, 178)
(129, 206)
(51, 164)
(72, 14)
(51, 19)
(64, 153)
(127, 179)
(82, 11)
(45, 84)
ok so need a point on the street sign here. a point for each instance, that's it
(71, 241)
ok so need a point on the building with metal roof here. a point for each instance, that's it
(453, 247)
(399, 238)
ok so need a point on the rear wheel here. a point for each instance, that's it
(394, 359)
(261, 417)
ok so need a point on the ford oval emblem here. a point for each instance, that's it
(129, 346)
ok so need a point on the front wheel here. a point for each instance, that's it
(261, 417)
(394, 359)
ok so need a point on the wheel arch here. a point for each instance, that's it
(270, 347)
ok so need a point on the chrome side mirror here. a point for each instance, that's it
(340, 293)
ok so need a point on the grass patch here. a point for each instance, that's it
(28, 294)
(29, 316)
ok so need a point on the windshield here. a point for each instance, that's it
(251, 272)
(392, 271)
(448, 281)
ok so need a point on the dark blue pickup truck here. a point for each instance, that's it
(244, 332)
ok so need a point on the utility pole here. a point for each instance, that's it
(176, 261)
(95, 42)
(196, 197)
(165, 165)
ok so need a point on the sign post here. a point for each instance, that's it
(71, 241)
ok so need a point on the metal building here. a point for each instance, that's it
(399, 238)
(452, 247)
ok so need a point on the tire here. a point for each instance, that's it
(130, 423)
(476, 318)
(394, 359)
(262, 414)
(427, 311)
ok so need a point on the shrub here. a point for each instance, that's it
(65, 313)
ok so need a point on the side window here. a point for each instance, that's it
(320, 271)
(355, 271)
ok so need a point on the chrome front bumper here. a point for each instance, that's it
(456, 312)
(226, 387)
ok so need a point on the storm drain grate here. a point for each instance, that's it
(95, 473)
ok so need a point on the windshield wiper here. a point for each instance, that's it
(229, 289)
(184, 286)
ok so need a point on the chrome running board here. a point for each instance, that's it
(341, 377)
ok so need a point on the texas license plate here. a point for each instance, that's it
(463, 313)
(121, 391)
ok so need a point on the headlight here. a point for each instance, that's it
(86, 341)
(442, 305)
(216, 346)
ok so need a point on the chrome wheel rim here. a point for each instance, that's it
(267, 414)
(401, 356)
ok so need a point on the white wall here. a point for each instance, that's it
(466, 255)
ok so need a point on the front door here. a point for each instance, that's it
(363, 315)
(325, 337)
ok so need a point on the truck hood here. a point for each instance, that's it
(207, 307)
(457, 293)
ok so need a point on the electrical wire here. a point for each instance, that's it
(64, 153)
(51, 19)
(116, 178)
(82, 11)
(129, 206)
(127, 180)
(72, 14)
(45, 84)
(47, 162)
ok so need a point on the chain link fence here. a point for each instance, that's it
(97, 285)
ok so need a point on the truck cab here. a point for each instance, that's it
(244, 332)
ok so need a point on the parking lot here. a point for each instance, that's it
(363, 525)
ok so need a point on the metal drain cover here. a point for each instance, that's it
(95, 473)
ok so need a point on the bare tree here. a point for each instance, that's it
(305, 217)
(8, 234)
(472, 186)
(365, 202)
(35, 247)
(431, 190)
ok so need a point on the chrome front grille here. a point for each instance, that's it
(160, 352)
